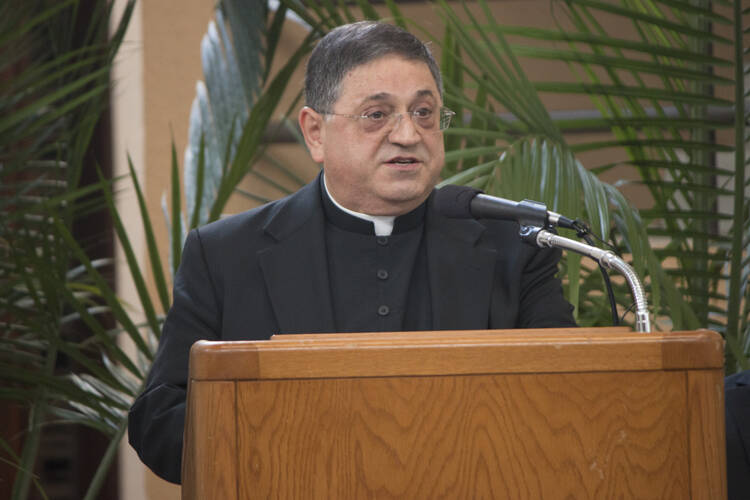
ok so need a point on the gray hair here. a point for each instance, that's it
(351, 45)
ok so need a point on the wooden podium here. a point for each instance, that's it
(522, 414)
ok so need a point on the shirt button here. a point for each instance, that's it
(383, 311)
(382, 240)
(382, 274)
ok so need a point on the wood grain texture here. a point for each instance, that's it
(705, 391)
(209, 466)
(554, 414)
(292, 337)
(556, 436)
(441, 353)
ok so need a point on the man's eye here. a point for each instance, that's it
(376, 116)
(423, 113)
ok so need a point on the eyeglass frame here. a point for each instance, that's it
(444, 114)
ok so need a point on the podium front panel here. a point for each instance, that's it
(653, 430)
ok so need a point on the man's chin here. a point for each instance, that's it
(404, 200)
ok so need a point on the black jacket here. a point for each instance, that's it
(737, 400)
(264, 271)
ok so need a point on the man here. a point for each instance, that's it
(361, 248)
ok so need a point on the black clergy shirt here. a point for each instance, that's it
(263, 272)
(378, 283)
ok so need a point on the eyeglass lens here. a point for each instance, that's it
(428, 121)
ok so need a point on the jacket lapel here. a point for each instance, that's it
(461, 273)
(296, 268)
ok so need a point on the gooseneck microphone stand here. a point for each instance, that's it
(541, 237)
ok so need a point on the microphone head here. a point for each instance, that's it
(455, 201)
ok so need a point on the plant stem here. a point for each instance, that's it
(703, 202)
(106, 463)
(22, 484)
(735, 293)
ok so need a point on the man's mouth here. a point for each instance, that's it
(403, 160)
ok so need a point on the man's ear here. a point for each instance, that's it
(311, 123)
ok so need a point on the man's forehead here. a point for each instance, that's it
(387, 78)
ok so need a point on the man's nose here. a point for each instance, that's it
(404, 131)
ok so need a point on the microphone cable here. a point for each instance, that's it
(583, 231)
(467, 202)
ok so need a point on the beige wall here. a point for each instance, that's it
(128, 137)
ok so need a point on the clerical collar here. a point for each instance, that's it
(383, 225)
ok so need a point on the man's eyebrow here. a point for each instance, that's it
(425, 93)
(380, 96)
(384, 96)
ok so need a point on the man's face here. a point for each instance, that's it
(389, 171)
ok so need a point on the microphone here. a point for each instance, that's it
(465, 202)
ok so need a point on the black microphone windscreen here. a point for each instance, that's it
(455, 201)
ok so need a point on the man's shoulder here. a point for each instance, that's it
(505, 229)
(496, 232)
(243, 221)
(741, 379)
(256, 220)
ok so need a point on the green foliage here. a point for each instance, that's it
(657, 89)
(48, 110)
(231, 112)
(57, 304)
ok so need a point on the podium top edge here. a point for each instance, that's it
(535, 336)
(455, 352)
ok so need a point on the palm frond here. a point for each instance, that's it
(660, 91)
(232, 108)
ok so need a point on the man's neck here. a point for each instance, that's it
(383, 223)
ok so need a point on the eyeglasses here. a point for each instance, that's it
(425, 119)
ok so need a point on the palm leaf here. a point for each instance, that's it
(683, 197)
(230, 111)
(49, 109)
(662, 123)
